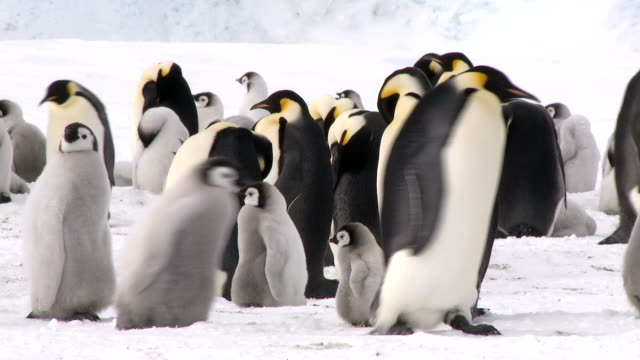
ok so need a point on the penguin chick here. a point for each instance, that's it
(573, 220)
(361, 264)
(67, 243)
(257, 91)
(580, 154)
(558, 112)
(210, 109)
(272, 265)
(161, 134)
(168, 276)
(608, 194)
(353, 96)
(123, 172)
(29, 143)
(6, 159)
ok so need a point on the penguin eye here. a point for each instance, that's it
(551, 111)
(84, 136)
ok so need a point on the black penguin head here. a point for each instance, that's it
(283, 102)
(347, 235)
(59, 92)
(221, 172)
(255, 195)
(558, 111)
(346, 94)
(8, 107)
(203, 99)
(493, 80)
(409, 81)
(78, 137)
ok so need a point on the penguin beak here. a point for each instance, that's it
(334, 240)
(269, 104)
(522, 94)
(239, 80)
(47, 99)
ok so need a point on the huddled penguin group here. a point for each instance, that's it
(408, 198)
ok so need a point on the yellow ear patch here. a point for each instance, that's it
(474, 80)
(165, 67)
(346, 138)
(459, 66)
(285, 103)
(72, 88)
(261, 163)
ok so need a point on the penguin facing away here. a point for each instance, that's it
(67, 243)
(454, 133)
(170, 260)
(256, 91)
(361, 272)
(272, 268)
(72, 102)
(626, 138)
(302, 172)
(210, 109)
(161, 133)
(29, 143)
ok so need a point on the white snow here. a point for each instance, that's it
(551, 298)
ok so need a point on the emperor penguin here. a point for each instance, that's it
(29, 143)
(252, 152)
(439, 68)
(573, 220)
(532, 188)
(6, 160)
(354, 142)
(67, 243)
(608, 202)
(272, 270)
(162, 84)
(626, 139)
(161, 134)
(170, 259)
(256, 90)
(631, 268)
(361, 264)
(70, 103)
(455, 133)
(578, 147)
(210, 109)
(241, 121)
(302, 172)
(353, 96)
(326, 109)
(397, 98)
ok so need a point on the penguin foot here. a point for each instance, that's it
(84, 316)
(399, 328)
(321, 289)
(4, 197)
(476, 311)
(614, 238)
(33, 315)
(461, 323)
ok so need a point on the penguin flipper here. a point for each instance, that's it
(276, 264)
(359, 274)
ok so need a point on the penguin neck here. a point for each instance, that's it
(404, 108)
(256, 92)
(12, 120)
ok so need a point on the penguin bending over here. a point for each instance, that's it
(29, 143)
(361, 269)
(161, 134)
(210, 109)
(67, 243)
(326, 109)
(271, 269)
(573, 220)
(170, 260)
(256, 88)
(302, 173)
(439, 68)
(353, 96)
(72, 102)
(626, 139)
(455, 133)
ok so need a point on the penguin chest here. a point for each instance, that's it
(81, 111)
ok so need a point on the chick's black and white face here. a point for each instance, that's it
(78, 139)
(551, 111)
(223, 176)
(252, 197)
(203, 101)
(343, 237)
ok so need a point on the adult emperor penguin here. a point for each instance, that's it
(29, 143)
(161, 133)
(361, 264)
(626, 139)
(354, 141)
(353, 96)
(397, 98)
(256, 88)
(326, 109)
(70, 103)
(162, 84)
(608, 202)
(210, 109)
(455, 133)
(580, 153)
(6, 160)
(439, 68)
(302, 173)
(532, 188)
(170, 260)
(272, 270)
(67, 243)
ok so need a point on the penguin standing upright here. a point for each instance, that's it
(354, 140)
(434, 219)
(72, 102)
(256, 88)
(67, 242)
(302, 173)
(161, 133)
(29, 143)
(170, 261)
(626, 139)
(210, 109)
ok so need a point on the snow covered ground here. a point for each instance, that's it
(551, 298)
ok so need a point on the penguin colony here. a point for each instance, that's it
(248, 205)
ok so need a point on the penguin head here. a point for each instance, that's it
(203, 99)
(352, 236)
(493, 80)
(248, 78)
(255, 195)
(63, 93)
(11, 109)
(558, 111)
(352, 95)
(158, 80)
(342, 238)
(221, 172)
(78, 137)
(284, 103)
(349, 143)
(407, 82)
